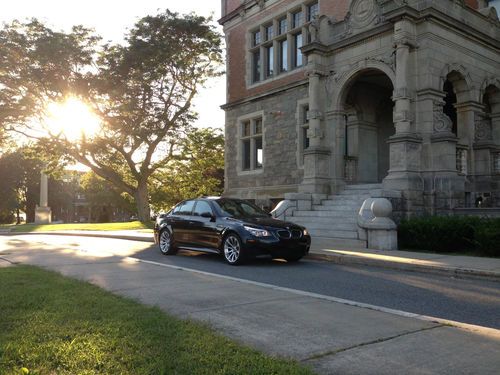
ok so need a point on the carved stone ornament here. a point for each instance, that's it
(314, 29)
(442, 123)
(361, 15)
(483, 130)
(363, 12)
(314, 115)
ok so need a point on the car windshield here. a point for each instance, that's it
(237, 208)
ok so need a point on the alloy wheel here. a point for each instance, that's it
(165, 242)
(232, 249)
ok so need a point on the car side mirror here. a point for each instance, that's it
(207, 215)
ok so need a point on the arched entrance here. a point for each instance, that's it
(367, 102)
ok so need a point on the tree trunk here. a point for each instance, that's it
(142, 202)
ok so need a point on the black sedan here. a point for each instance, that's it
(235, 228)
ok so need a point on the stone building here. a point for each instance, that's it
(400, 98)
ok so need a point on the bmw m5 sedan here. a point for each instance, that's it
(235, 228)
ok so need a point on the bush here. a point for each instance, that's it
(7, 217)
(451, 234)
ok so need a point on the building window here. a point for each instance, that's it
(256, 66)
(269, 32)
(302, 117)
(495, 4)
(297, 19)
(269, 61)
(252, 150)
(312, 10)
(282, 26)
(297, 54)
(256, 38)
(283, 55)
(275, 46)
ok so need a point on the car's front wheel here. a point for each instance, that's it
(232, 249)
(293, 258)
(166, 243)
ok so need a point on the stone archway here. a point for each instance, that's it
(366, 98)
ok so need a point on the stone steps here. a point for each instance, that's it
(327, 243)
(329, 213)
(328, 225)
(334, 221)
(337, 207)
(363, 187)
(349, 234)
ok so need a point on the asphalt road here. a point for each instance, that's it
(463, 300)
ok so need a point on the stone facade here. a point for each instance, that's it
(403, 93)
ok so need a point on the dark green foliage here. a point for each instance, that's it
(451, 234)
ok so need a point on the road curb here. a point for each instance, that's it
(99, 235)
(343, 259)
(441, 270)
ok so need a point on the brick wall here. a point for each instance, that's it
(237, 47)
(229, 5)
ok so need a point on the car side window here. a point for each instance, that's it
(202, 207)
(186, 208)
(177, 208)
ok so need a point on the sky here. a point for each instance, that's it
(111, 19)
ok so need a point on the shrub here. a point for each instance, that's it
(446, 234)
(6, 217)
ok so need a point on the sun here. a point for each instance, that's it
(71, 119)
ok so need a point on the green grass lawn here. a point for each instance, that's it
(50, 324)
(135, 225)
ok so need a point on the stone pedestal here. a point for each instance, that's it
(43, 215)
(376, 226)
(316, 171)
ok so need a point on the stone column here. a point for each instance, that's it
(337, 123)
(317, 155)
(405, 145)
(402, 121)
(43, 213)
(468, 113)
(44, 187)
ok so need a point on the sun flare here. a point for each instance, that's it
(72, 119)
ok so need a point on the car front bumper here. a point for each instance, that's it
(277, 247)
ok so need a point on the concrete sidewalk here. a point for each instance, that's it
(328, 250)
(330, 335)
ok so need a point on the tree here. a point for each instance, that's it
(101, 194)
(142, 91)
(199, 170)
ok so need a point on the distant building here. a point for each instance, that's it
(401, 95)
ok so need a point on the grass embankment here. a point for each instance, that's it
(54, 325)
(133, 225)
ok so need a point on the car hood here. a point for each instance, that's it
(268, 222)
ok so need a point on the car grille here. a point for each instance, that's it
(287, 234)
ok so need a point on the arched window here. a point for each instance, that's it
(449, 106)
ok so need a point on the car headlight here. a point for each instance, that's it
(257, 232)
(306, 233)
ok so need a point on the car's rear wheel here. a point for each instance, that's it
(166, 243)
(232, 249)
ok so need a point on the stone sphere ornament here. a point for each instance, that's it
(381, 207)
